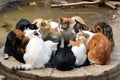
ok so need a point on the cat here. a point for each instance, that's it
(80, 51)
(104, 28)
(23, 24)
(43, 26)
(15, 45)
(49, 29)
(32, 33)
(98, 46)
(63, 59)
(79, 26)
(66, 27)
(42, 53)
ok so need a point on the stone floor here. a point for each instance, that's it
(93, 72)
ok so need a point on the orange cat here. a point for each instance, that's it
(98, 45)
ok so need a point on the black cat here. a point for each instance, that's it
(63, 59)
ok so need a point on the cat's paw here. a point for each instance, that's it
(6, 56)
(61, 46)
(69, 45)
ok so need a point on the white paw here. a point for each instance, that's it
(69, 45)
(61, 46)
(6, 56)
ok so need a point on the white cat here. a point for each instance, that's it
(79, 49)
(32, 33)
(37, 53)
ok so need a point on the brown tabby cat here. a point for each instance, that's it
(106, 29)
(98, 46)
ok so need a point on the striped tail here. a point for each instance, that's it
(24, 67)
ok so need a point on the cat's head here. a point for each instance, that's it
(51, 44)
(79, 26)
(32, 33)
(81, 35)
(23, 24)
(64, 23)
(96, 29)
(43, 25)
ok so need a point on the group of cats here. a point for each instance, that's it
(64, 45)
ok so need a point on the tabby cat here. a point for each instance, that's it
(106, 29)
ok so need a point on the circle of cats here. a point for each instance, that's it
(65, 45)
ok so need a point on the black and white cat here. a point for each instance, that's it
(23, 24)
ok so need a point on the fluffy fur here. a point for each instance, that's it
(23, 24)
(79, 49)
(98, 46)
(42, 53)
(15, 45)
(106, 29)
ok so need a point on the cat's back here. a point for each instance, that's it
(99, 49)
(64, 59)
(35, 43)
(81, 49)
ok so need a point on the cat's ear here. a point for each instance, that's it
(81, 32)
(49, 20)
(60, 19)
(86, 35)
(77, 21)
(43, 23)
(98, 28)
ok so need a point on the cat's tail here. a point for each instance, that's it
(24, 67)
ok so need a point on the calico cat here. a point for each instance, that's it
(42, 53)
(79, 49)
(104, 28)
(23, 24)
(63, 59)
(49, 29)
(66, 27)
(98, 46)
(15, 45)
